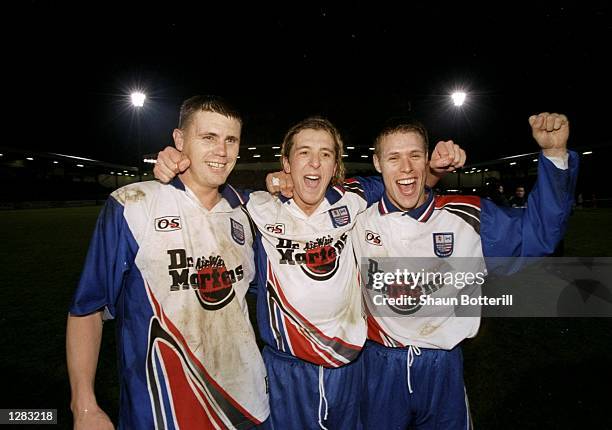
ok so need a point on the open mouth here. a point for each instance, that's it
(312, 181)
(406, 186)
(215, 165)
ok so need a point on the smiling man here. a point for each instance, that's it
(172, 264)
(413, 361)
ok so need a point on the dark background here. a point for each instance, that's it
(69, 68)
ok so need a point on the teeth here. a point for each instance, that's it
(314, 178)
(406, 181)
(215, 165)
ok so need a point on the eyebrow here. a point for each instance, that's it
(414, 151)
(207, 133)
(211, 133)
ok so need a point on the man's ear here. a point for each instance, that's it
(286, 165)
(177, 135)
(376, 163)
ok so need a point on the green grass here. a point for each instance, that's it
(520, 373)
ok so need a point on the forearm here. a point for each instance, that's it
(83, 338)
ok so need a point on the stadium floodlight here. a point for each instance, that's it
(364, 156)
(350, 147)
(587, 152)
(252, 148)
(138, 98)
(276, 147)
(30, 158)
(458, 97)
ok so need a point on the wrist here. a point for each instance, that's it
(83, 405)
(554, 152)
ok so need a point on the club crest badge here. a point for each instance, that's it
(237, 232)
(340, 216)
(443, 244)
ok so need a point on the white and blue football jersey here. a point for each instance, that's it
(174, 275)
(309, 300)
(447, 234)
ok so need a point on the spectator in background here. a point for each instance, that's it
(519, 200)
(495, 193)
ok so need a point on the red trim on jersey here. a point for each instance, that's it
(308, 323)
(181, 340)
(382, 207)
(425, 216)
(188, 409)
(442, 201)
(300, 343)
(304, 348)
(377, 334)
(209, 406)
(339, 189)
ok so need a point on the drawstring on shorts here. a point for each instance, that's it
(412, 352)
(322, 398)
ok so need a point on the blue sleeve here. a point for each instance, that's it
(536, 230)
(371, 188)
(111, 254)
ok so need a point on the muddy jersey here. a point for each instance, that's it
(453, 231)
(174, 275)
(309, 303)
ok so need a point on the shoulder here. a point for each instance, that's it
(139, 192)
(262, 198)
(448, 202)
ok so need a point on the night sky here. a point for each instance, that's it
(68, 70)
